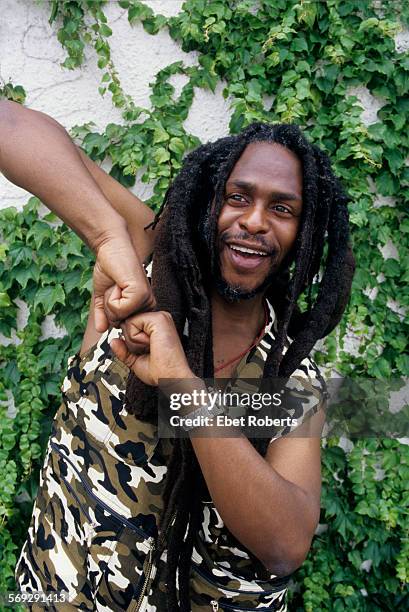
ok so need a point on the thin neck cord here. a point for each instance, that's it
(254, 343)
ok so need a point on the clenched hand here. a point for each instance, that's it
(162, 358)
(121, 287)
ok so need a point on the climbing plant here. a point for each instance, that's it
(278, 61)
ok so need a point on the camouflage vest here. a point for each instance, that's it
(95, 520)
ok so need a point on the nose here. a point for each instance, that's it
(254, 220)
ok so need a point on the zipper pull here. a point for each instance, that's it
(147, 570)
(148, 559)
(215, 605)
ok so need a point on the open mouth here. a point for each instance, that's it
(246, 251)
(245, 257)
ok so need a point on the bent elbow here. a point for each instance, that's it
(283, 567)
(287, 562)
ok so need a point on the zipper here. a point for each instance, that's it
(148, 563)
(80, 505)
(147, 571)
(279, 587)
(147, 566)
(216, 608)
(91, 524)
(114, 513)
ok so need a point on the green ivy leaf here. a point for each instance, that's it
(19, 253)
(160, 134)
(139, 12)
(303, 89)
(5, 301)
(380, 369)
(161, 155)
(176, 145)
(48, 296)
(105, 30)
(22, 274)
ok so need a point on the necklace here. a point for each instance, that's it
(256, 341)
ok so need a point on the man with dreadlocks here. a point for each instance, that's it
(125, 520)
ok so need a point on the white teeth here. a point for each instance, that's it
(246, 250)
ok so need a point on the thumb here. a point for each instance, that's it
(100, 318)
(120, 349)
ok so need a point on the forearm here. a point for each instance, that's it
(272, 516)
(137, 215)
(39, 156)
(268, 514)
(273, 512)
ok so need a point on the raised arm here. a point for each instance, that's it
(37, 154)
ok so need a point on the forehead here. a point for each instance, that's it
(271, 165)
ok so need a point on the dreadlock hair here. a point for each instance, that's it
(180, 282)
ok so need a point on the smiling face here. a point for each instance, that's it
(260, 217)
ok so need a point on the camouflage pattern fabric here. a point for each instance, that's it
(94, 522)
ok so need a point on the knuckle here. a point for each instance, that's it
(161, 315)
(130, 322)
(110, 308)
(165, 316)
(147, 300)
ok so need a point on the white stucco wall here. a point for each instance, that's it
(31, 55)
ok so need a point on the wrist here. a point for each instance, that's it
(186, 382)
(114, 229)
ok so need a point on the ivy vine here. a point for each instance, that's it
(279, 61)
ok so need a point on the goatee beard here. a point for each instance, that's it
(235, 293)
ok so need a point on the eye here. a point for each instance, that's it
(235, 199)
(281, 209)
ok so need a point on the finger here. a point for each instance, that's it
(112, 317)
(148, 322)
(122, 302)
(100, 318)
(136, 340)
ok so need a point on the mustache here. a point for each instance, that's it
(256, 240)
